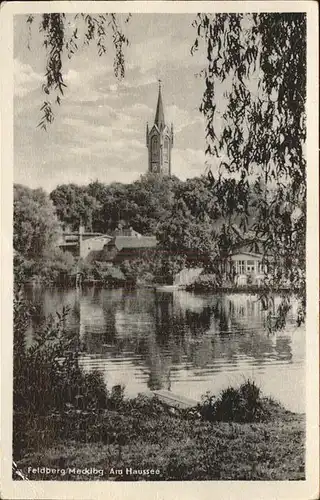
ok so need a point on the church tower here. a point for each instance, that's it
(159, 142)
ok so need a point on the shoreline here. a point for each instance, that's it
(144, 435)
(157, 287)
(220, 451)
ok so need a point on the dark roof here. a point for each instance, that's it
(254, 248)
(95, 236)
(85, 233)
(159, 118)
(126, 231)
(133, 242)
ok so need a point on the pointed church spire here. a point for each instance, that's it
(159, 118)
(159, 141)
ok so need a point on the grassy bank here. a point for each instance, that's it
(142, 434)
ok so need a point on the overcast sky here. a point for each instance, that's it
(99, 129)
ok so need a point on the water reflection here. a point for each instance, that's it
(179, 341)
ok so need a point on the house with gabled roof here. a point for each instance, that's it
(247, 264)
(126, 245)
(82, 243)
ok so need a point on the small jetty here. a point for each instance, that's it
(166, 288)
(175, 400)
(181, 280)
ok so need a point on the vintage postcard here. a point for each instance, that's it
(160, 250)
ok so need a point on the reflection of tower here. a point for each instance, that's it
(93, 326)
(160, 366)
(78, 300)
(159, 142)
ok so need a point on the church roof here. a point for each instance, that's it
(159, 118)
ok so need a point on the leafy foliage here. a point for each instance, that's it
(74, 205)
(242, 404)
(185, 216)
(143, 204)
(63, 35)
(265, 124)
(47, 378)
(154, 266)
(36, 226)
(36, 230)
(192, 229)
(257, 130)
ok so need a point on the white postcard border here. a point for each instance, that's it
(307, 489)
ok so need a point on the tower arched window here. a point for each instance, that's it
(155, 146)
(166, 149)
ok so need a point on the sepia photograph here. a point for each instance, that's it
(164, 214)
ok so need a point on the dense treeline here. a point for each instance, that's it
(186, 216)
(195, 221)
(101, 207)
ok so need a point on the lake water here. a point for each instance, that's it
(177, 340)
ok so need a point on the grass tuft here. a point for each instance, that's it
(242, 404)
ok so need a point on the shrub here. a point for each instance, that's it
(205, 283)
(23, 268)
(116, 398)
(53, 266)
(243, 404)
(47, 377)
